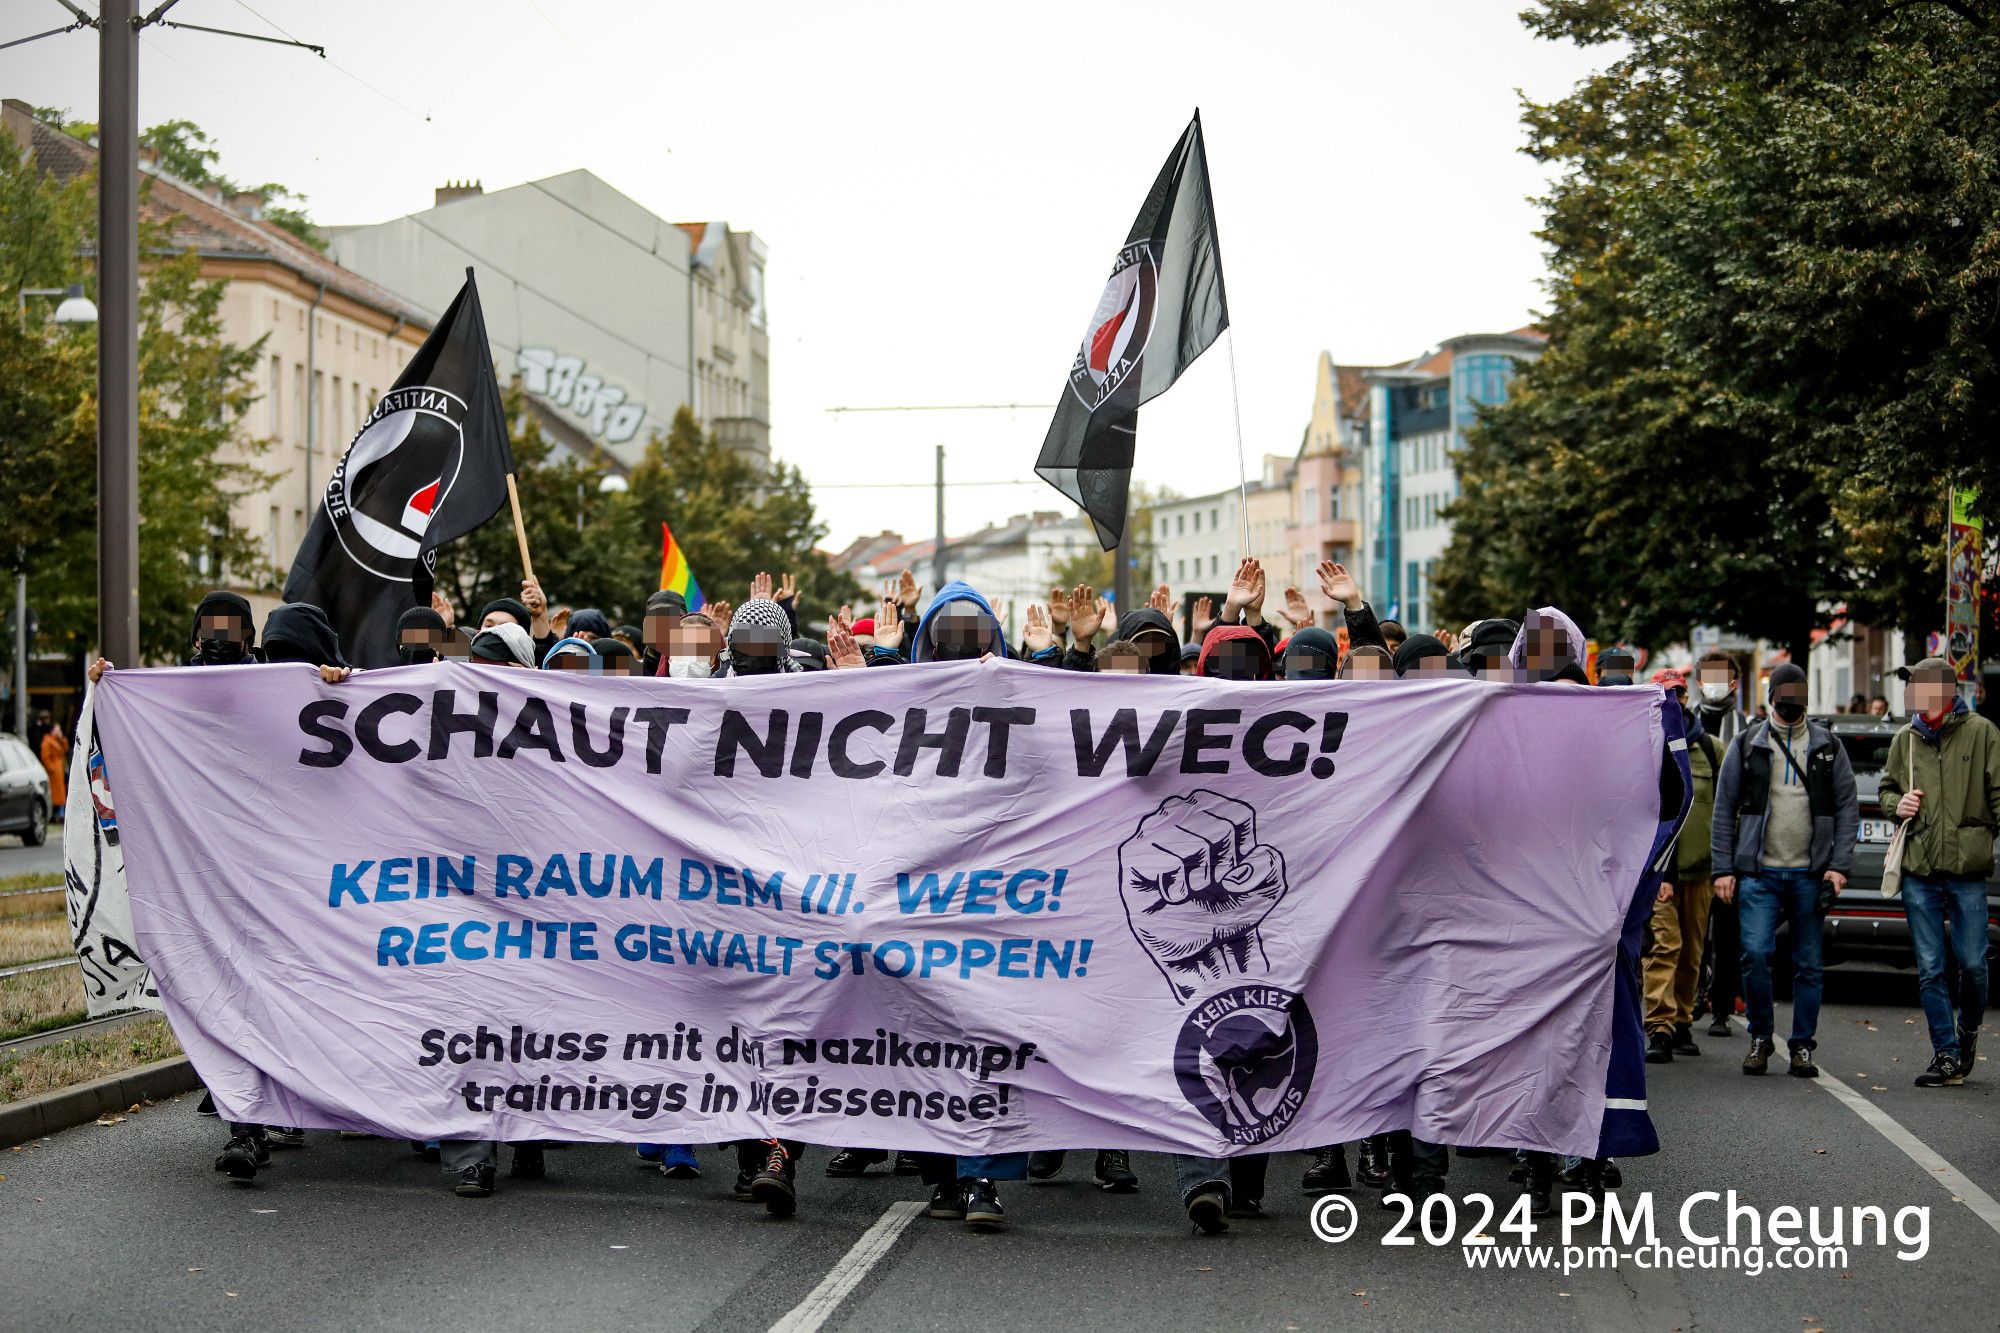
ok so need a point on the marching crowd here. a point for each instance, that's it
(1769, 839)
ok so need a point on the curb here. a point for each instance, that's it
(115, 1093)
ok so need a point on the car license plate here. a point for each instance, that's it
(1878, 830)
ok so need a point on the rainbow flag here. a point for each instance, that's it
(675, 576)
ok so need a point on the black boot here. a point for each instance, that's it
(1328, 1171)
(1046, 1164)
(1660, 1047)
(1684, 1040)
(855, 1161)
(982, 1205)
(773, 1186)
(243, 1154)
(1541, 1186)
(1113, 1172)
(1371, 1165)
(529, 1162)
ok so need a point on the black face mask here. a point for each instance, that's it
(220, 650)
(956, 652)
(750, 664)
(1789, 714)
(1308, 666)
(415, 654)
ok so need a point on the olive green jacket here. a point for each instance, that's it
(1959, 775)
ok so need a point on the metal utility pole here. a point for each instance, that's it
(21, 657)
(118, 333)
(938, 563)
(1121, 573)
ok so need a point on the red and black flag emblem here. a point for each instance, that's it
(428, 466)
(1161, 308)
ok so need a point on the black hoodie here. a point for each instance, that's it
(224, 604)
(300, 632)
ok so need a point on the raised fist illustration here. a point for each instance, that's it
(1196, 886)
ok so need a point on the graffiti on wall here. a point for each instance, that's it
(563, 381)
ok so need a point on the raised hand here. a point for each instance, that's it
(1241, 586)
(559, 622)
(1296, 609)
(909, 592)
(1337, 585)
(1255, 606)
(1196, 886)
(1058, 611)
(889, 624)
(760, 587)
(1162, 600)
(842, 652)
(721, 613)
(1204, 619)
(788, 591)
(1038, 634)
(1086, 614)
(442, 605)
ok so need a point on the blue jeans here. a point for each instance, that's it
(1927, 899)
(1762, 900)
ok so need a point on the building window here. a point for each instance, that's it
(1215, 564)
(1180, 569)
(1333, 503)
(1180, 525)
(275, 409)
(1197, 520)
(333, 412)
(299, 405)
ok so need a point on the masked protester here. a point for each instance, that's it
(589, 624)
(1785, 819)
(1483, 648)
(300, 632)
(664, 611)
(1190, 659)
(958, 626)
(694, 650)
(506, 611)
(420, 636)
(1234, 652)
(1368, 662)
(810, 654)
(1549, 648)
(1310, 654)
(760, 640)
(570, 654)
(224, 633)
(1943, 774)
(1152, 637)
(505, 644)
(1423, 655)
(615, 658)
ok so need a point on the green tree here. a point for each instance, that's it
(193, 462)
(188, 154)
(731, 523)
(1096, 567)
(1773, 265)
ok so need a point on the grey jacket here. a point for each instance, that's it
(1743, 797)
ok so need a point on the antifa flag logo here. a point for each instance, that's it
(396, 473)
(1119, 327)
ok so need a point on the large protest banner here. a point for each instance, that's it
(965, 907)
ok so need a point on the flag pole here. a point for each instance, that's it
(1242, 469)
(520, 532)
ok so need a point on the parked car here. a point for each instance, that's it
(24, 793)
(1865, 927)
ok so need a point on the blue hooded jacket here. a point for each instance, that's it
(956, 591)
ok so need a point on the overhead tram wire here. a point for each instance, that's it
(393, 101)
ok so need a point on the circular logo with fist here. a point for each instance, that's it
(1245, 1060)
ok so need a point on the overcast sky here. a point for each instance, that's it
(942, 186)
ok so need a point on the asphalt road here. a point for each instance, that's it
(16, 859)
(126, 1226)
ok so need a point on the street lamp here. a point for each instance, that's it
(611, 484)
(76, 308)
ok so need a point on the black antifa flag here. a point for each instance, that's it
(428, 466)
(1161, 308)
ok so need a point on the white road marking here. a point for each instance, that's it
(1982, 1204)
(843, 1277)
